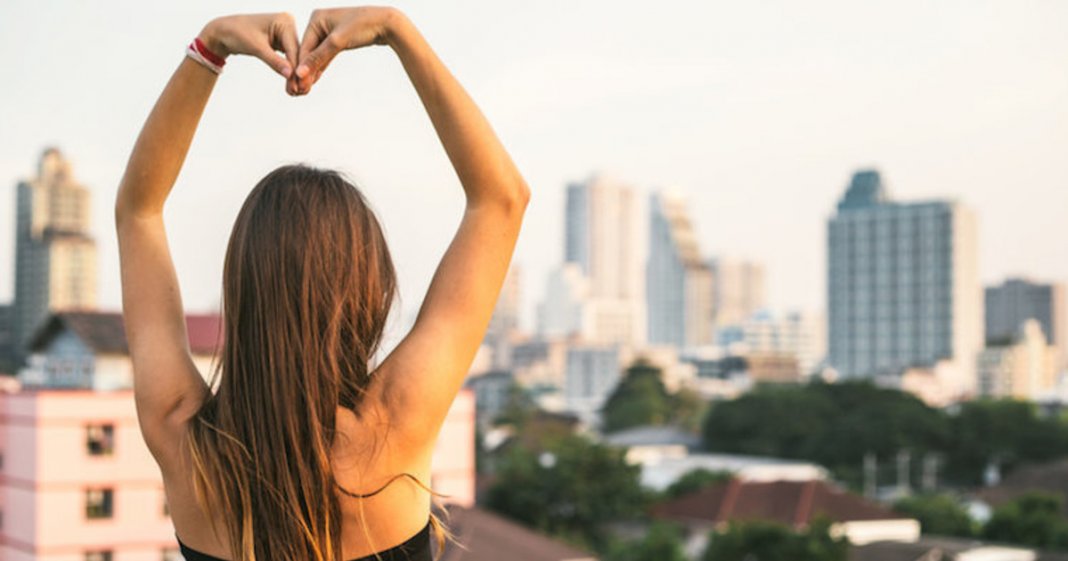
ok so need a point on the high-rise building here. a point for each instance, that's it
(503, 327)
(1022, 367)
(1014, 301)
(7, 340)
(55, 257)
(678, 282)
(738, 290)
(797, 334)
(903, 285)
(601, 238)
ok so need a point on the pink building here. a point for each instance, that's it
(76, 480)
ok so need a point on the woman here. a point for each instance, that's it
(303, 451)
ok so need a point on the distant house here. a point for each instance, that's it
(667, 453)
(792, 503)
(948, 549)
(1051, 478)
(485, 536)
(88, 351)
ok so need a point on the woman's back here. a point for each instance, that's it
(301, 451)
(366, 460)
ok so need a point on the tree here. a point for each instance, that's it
(1002, 432)
(571, 490)
(769, 541)
(833, 425)
(640, 398)
(1033, 519)
(663, 542)
(938, 514)
(695, 480)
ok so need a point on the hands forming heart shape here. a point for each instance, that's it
(272, 38)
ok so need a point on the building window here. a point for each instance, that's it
(98, 555)
(98, 503)
(100, 439)
(172, 554)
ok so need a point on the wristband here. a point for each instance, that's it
(200, 53)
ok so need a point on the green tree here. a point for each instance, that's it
(1033, 519)
(571, 489)
(688, 410)
(695, 480)
(938, 514)
(833, 425)
(1002, 432)
(640, 398)
(663, 542)
(768, 541)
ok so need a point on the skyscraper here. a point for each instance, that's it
(678, 281)
(601, 237)
(1015, 301)
(55, 257)
(903, 285)
(738, 290)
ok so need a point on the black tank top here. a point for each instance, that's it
(416, 548)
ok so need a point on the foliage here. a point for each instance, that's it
(768, 541)
(836, 425)
(663, 542)
(695, 480)
(641, 398)
(1033, 519)
(1003, 432)
(571, 490)
(938, 514)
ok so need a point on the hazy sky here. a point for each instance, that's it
(758, 111)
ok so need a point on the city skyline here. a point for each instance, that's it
(760, 131)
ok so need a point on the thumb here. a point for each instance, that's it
(313, 63)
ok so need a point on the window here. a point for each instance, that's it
(98, 555)
(98, 503)
(100, 439)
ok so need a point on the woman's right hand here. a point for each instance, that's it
(258, 35)
(331, 31)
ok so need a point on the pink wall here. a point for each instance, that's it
(47, 470)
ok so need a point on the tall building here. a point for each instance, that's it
(1016, 300)
(903, 285)
(738, 290)
(55, 257)
(560, 314)
(601, 238)
(796, 334)
(678, 282)
(7, 340)
(503, 327)
(1023, 367)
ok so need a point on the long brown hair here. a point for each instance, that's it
(308, 284)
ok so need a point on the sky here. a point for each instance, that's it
(757, 111)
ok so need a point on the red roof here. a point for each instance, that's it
(793, 503)
(104, 332)
(484, 536)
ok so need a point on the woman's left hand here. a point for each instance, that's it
(271, 38)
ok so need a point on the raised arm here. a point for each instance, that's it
(167, 386)
(422, 375)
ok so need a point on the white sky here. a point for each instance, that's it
(759, 111)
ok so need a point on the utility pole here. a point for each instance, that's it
(870, 483)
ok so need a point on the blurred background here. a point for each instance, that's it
(791, 284)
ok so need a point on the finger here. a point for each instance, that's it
(312, 64)
(275, 60)
(284, 38)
